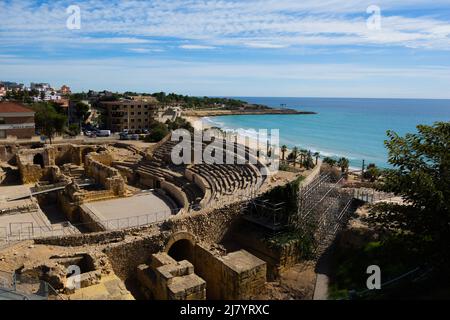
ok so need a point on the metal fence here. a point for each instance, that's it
(371, 195)
(14, 286)
(28, 230)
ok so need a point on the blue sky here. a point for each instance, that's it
(291, 48)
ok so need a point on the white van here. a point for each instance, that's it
(104, 133)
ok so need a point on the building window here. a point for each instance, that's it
(2, 134)
(2, 120)
(139, 113)
(132, 113)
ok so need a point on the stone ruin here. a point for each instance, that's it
(167, 265)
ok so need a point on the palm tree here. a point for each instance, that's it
(317, 155)
(343, 163)
(303, 155)
(330, 161)
(295, 155)
(283, 152)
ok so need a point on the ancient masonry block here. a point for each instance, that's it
(167, 279)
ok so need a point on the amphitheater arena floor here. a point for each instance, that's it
(129, 212)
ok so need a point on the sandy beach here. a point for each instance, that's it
(200, 125)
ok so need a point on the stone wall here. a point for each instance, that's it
(207, 225)
(127, 255)
(84, 239)
(236, 276)
(167, 279)
(8, 153)
(68, 207)
(177, 194)
(202, 184)
(30, 172)
(90, 220)
(132, 247)
(97, 166)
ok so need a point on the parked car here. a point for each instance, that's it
(124, 136)
(134, 137)
(103, 133)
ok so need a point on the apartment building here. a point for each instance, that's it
(16, 120)
(130, 114)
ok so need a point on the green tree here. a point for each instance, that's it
(157, 132)
(303, 154)
(316, 155)
(343, 163)
(48, 121)
(294, 155)
(74, 129)
(421, 176)
(372, 173)
(330, 161)
(179, 123)
(308, 161)
(283, 152)
(81, 111)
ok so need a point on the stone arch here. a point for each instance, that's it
(39, 160)
(180, 246)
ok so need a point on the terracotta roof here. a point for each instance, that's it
(11, 107)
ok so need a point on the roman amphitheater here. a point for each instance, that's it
(135, 226)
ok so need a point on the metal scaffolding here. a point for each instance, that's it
(323, 208)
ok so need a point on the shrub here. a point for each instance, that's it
(157, 133)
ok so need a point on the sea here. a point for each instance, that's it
(343, 127)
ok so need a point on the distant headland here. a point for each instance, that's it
(231, 112)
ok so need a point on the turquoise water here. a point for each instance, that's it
(352, 128)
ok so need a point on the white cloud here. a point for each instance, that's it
(144, 50)
(232, 22)
(265, 45)
(196, 47)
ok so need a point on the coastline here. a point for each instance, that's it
(217, 113)
(200, 125)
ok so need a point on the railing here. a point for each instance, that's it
(138, 221)
(17, 287)
(28, 231)
(371, 195)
